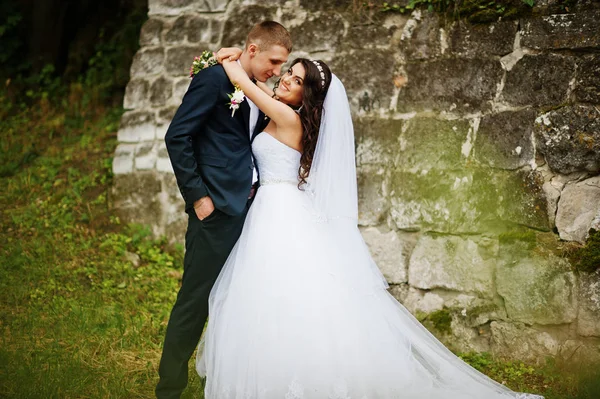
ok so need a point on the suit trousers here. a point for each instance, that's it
(208, 243)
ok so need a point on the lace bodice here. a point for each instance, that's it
(277, 163)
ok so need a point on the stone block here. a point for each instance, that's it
(504, 140)
(215, 5)
(480, 40)
(422, 302)
(136, 198)
(181, 58)
(569, 139)
(562, 31)
(536, 289)
(177, 31)
(539, 80)
(161, 91)
(453, 263)
(578, 205)
(588, 321)
(467, 201)
(318, 32)
(372, 32)
(179, 89)
(366, 71)
(390, 253)
(377, 141)
(165, 115)
(145, 156)
(339, 5)
(147, 61)
(465, 84)
(516, 341)
(424, 42)
(177, 7)
(373, 201)
(136, 126)
(429, 143)
(136, 94)
(580, 353)
(163, 162)
(151, 32)
(161, 132)
(241, 20)
(200, 29)
(123, 159)
(587, 88)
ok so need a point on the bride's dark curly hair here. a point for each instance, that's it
(315, 86)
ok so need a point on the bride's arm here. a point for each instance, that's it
(279, 112)
(233, 54)
(264, 87)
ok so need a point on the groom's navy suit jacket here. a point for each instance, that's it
(210, 149)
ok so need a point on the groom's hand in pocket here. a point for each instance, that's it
(204, 207)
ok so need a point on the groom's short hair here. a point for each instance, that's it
(269, 33)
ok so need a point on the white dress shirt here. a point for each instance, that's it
(252, 124)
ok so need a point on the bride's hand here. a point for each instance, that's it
(231, 53)
(234, 71)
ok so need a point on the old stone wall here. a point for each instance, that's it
(478, 151)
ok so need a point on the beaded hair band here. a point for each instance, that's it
(320, 68)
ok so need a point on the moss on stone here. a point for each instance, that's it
(527, 237)
(587, 257)
(442, 321)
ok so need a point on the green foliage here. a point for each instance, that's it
(551, 380)
(442, 321)
(478, 11)
(80, 317)
(108, 69)
(587, 258)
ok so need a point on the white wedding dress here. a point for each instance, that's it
(301, 311)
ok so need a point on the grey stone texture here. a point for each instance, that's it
(390, 252)
(569, 139)
(469, 84)
(539, 80)
(148, 61)
(136, 94)
(504, 140)
(563, 31)
(241, 20)
(320, 31)
(464, 133)
(180, 58)
(517, 341)
(578, 206)
(588, 79)
(588, 323)
(452, 263)
(536, 289)
(473, 40)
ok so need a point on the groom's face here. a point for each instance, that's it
(267, 62)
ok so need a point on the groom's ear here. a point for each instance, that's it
(252, 49)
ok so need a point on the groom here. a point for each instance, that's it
(211, 157)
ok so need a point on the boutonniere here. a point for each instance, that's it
(236, 98)
(206, 59)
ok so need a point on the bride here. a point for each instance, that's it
(300, 310)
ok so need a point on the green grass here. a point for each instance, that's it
(78, 319)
